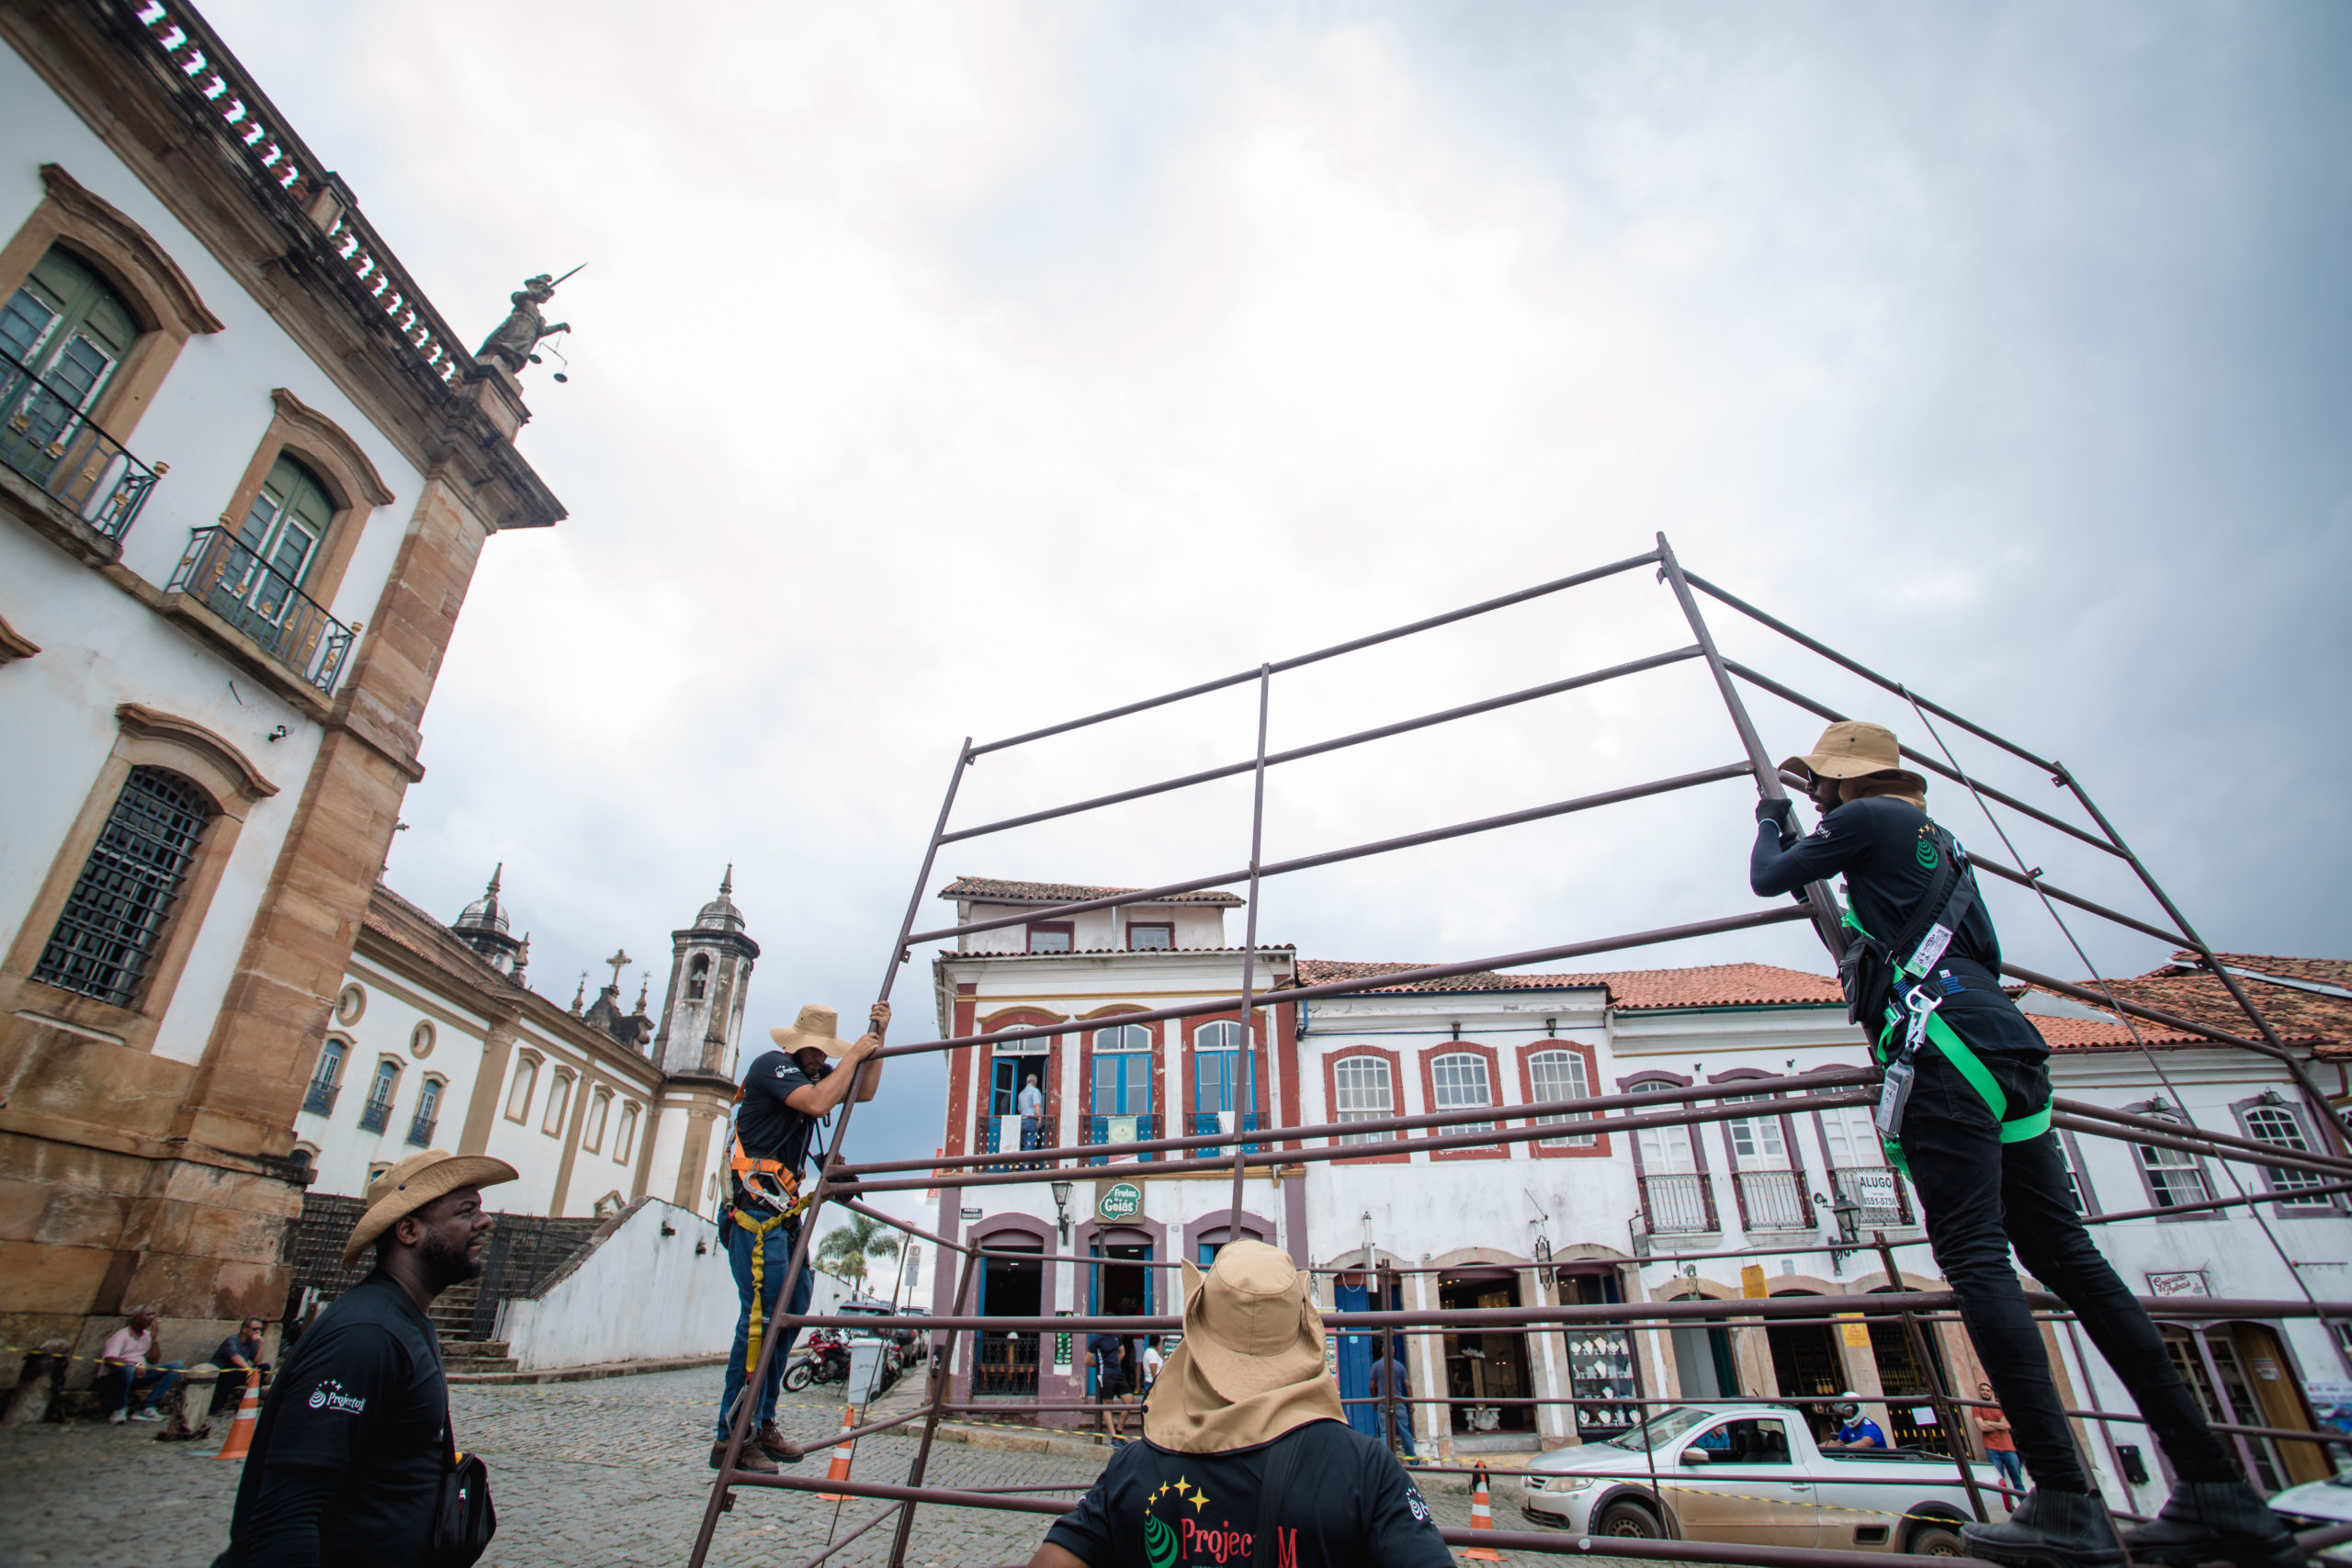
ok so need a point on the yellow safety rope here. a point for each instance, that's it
(759, 1229)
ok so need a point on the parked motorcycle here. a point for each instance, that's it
(823, 1359)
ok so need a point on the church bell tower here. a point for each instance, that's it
(710, 979)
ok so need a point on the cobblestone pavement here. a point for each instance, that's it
(607, 1472)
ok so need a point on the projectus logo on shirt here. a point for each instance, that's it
(329, 1396)
(1191, 1542)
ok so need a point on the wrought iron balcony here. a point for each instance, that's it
(1207, 1123)
(376, 1116)
(1005, 1135)
(1679, 1205)
(1773, 1200)
(420, 1130)
(1878, 1191)
(320, 1101)
(246, 592)
(1120, 1130)
(46, 438)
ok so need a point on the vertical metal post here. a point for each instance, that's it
(1641, 1406)
(1945, 1411)
(1249, 948)
(720, 1498)
(1768, 773)
(941, 1375)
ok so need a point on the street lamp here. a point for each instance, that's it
(1061, 1209)
(1848, 1215)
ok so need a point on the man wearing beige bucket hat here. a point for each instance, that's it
(1243, 1439)
(351, 1448)
(1965, 1108)
(784, 1094)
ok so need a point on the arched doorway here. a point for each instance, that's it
(1806, 1366)
(1702, 1358)
(1483, 1371)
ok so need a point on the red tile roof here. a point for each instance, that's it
(994, 890)
(1631, 990)
(2096, 1035)
(2186, 990)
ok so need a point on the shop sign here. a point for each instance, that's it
(1120, 1202)
(2185, 1283)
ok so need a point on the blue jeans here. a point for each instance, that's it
(776, 1249)
(1400, 1429)
(2012, 1468)
(135, 1388)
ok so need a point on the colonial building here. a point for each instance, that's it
(247, 471)
(438, 1040)
(1598, 1215)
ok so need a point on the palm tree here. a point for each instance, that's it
(846, 1248)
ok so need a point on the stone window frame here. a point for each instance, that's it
(625, 1131)
(422, 1038)
(440, 1105)
(162, 301)
(559, 1106)
(2288, 1207)
(144, 737)
(392, 1094)
(353, 486)
(592, 1126)
(354, 994)
(525, 1059)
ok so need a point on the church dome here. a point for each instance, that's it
(484, 913)
(720, 914)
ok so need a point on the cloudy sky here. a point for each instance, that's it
(948, 370)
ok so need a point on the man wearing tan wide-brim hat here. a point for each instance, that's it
(1966, 1109)
(348, 1456)
(784, 1094)
(1243, 1434)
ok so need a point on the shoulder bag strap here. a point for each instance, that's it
(1280, 1459)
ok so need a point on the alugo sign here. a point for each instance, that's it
(1120, 1201)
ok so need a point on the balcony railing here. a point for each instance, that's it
(1878, 1190)
(1773, 1200)
(1007, 1364)
(1120, 1130)
(251, 595)
(1679, 1205)
(376, 1115)
(420, 1130)
(1206, 1123)
(1005, 1135)
(320, 1101)
(45, 437)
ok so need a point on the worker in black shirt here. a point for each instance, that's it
(349, 1454)
(1975, 1135)
(784, 1094)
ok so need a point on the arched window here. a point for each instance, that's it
(1222, 1084)
(378, 1113)
(559, 1102)
(1559, 1075)
(287, 520)
(2173, 1176)
(2278, 1126)
(697, 976)
(624, 1139)
(114, 919)
(1462, 1084)
(526, 1084)
(326, 1079)
(1122, 1084)
(1756, 1141)
(600, 1105)
(64, 332)
(428, 1113)
(1363, 1090)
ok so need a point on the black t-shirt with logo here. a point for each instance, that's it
(348, 1454)
(769, 1127)
(1348, 1505)
(1881, 846)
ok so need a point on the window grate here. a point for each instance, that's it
(115, 916)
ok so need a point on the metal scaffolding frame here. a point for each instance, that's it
(841, 1183)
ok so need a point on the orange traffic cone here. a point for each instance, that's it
(838, 1469)
(240, 1439)
(1482, 1518)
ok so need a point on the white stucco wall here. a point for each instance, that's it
(639, 1295)
(387, 1028)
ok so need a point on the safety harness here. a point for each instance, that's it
(772, 1186)
(1891, 992)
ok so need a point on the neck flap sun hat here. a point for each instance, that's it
(1865, 758)
(412, 1184)
(816, 1028)
(1250, 1366)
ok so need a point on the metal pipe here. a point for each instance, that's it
(839, 1545)
(1938, 1395)
(939, 1376)
(1823, 710)
(1249, 1086)
(2281, 1158)
(1338, 743)
(1353, 644)
(2331, 1190)
(1376, 982)
(1333, 857)
(2262, 1151)
(2035, 881)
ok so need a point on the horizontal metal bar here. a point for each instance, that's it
(1744, 607)
(1839, 1078)
(2255, 1148)
(1338, 743)
(2302, 1194)
(1332, 857)
(2042, 884)
(2153, 1015)
(2281, 1158)
(1375, 982)
(1823, 710)
(1299, 662)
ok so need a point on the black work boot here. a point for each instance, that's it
(2050, 1530)
(749, 1459)
(2203, 1520)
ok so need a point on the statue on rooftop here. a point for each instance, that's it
(517, 336)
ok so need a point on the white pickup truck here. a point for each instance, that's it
(1752, 1474)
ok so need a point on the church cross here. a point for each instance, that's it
(619, 961)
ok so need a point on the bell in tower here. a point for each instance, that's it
(710, 978)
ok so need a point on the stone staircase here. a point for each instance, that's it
(453, 1320)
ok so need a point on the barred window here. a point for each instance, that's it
(114, 919)
(1559, 1075)
(1364, 1093)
